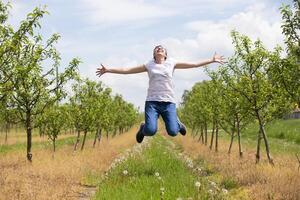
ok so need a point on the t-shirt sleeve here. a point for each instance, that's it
(173, 62)
(147, 64)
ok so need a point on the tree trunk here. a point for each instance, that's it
(212, 137)
(54, 146)
(231, 141)
(77, 140)
(29, 135)
(202, 135)
(83, 141)
(264, 135)
(6, 132)
(193, 131)
(40, 132)
(258, 147)
(95, 138)
(217, 137)
(99, 135)
(107, 135)
(239, 138)
(205, 129)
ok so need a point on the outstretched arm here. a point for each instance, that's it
(215, 58)
(132, 70)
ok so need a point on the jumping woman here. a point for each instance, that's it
(160, 98)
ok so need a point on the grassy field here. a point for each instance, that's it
(283, 136)
(61, 176)
(159, 171)
(39, 143)
(161, 168)
(261, 181)
(286, 130)
(17, 141)
(18, 135)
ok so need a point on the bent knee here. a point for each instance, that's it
(172, 133)
(149, 131)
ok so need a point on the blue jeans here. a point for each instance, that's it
(153, 109)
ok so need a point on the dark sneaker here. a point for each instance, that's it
(140, 136)
(182, 129)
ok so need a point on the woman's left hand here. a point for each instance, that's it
(219, 59)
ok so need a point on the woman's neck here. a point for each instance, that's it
(159, 60)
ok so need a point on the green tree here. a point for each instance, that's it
(287, 73)
(34, 89)
(216, 104)
(7, 115)
(89, 94)
(250, 69)
(85, 99)
(102, 110)
(235, 115)
(52, 122)
(9, 50)
(94, 110)
(196, 112)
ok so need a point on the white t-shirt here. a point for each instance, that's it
(161, 87)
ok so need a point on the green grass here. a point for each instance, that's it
(8, 148)
(283, 136)
(288, 130)
(177, 179)
(42, 145)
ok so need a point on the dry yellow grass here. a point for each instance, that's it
(58, 177)
(262, 181)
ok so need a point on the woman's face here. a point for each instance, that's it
(160, 51)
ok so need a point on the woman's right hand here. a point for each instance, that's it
(101, 70)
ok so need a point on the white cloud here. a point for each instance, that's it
(197, 40)
(188, 7)
(214, 36)
(118, 11)
(210, 36)
(258, 21)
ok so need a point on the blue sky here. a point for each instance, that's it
(122, 33)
